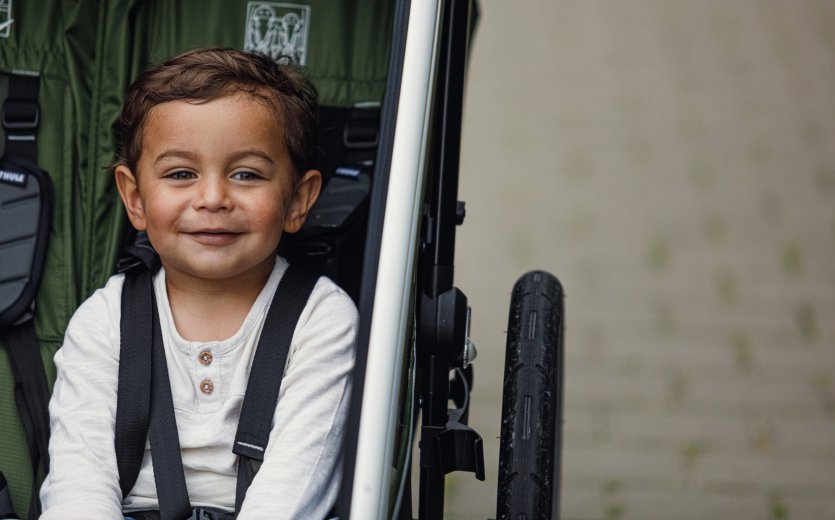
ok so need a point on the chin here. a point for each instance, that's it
(223, 270)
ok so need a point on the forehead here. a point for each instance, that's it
(213, 128)
(242, 108)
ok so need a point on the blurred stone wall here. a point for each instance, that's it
(673, 163)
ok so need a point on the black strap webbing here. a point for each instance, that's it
(133, 401)
(267, 371)
(145, 409)
(31, 397)
(169, 477)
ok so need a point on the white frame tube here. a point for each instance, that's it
(391, 321)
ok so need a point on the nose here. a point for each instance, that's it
(213, 194)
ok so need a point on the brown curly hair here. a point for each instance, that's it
(202, 75)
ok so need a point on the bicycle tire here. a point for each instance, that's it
(529, 453)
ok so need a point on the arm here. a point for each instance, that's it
(301, 472)
(83, 480)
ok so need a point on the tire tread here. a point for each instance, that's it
(529, 464)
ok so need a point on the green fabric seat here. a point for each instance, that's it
(87, 53)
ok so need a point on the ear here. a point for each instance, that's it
(129, 191)
(303, 198)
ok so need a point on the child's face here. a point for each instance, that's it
(214, 187)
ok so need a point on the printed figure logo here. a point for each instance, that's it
(6, 20)
(278, 30)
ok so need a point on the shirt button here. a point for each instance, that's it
(205, 358)
(206, 386)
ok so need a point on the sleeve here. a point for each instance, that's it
(83, 479)
(301, 472)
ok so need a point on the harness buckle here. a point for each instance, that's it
(362, 129)
(20, 114)
(210, 513)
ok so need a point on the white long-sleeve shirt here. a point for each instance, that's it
(300, 475)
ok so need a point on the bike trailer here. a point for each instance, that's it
(391, 81)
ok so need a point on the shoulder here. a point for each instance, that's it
(104, 303)
(96, 322)
(329, 319)
(329, 300)
(326, 301)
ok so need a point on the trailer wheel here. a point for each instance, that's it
(529, 457)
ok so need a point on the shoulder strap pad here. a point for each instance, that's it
(25, 212)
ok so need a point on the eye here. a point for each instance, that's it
(246, 175)
(181, 175)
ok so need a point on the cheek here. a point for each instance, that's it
(272, 209)
(271, 220)
(160, 215)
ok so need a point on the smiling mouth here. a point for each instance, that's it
(214, 236)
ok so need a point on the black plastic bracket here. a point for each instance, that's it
(461, 447)
(451, 327)
(455, 447)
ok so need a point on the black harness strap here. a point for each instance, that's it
(162, 432)
(262, 389)
(20, 119)
(145, 409)
(134, 394)
(142, 368)
(31, 398)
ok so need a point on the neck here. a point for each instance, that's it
(213, 309)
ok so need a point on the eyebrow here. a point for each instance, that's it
(252, 152)
(184, 154)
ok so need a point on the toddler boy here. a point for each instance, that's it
(215, 163)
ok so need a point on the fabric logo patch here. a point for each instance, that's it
(13, 178)
(278, 30)
(6, 20)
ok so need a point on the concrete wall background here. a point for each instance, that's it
(673, 163)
